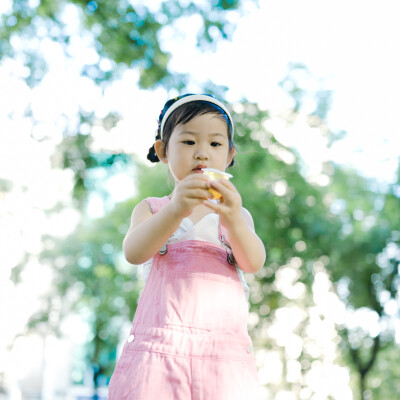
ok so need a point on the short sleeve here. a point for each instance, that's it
(157, 203)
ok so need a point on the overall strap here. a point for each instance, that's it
(222, 232)
(223, 237)
(157, 203)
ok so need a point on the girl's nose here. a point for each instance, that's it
(201, 155)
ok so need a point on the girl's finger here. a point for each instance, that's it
(227, 184)
(195, 183)
(198, 193)
(196, 177)
(220, 187)
(213, 206)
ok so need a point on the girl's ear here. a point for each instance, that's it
(161, 151)
(230, 156)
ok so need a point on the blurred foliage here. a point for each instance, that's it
(92, 279)
(124, 35)
(348, 229)
(384, 382)
(123, 32)
(5, 185)
(343, 228)
(74, 154)
(297, 84)
(365, 267)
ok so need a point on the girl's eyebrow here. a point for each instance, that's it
(196, 133)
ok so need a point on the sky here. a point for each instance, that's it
(349, 47)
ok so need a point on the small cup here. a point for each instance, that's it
(214, 174)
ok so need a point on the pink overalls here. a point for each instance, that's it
(189, 338)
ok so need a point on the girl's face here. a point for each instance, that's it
(202, 142)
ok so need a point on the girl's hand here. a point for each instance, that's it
(247, 247)
(230, 205)
(188, 193)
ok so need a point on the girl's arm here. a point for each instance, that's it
(148, 232)
(247, 247)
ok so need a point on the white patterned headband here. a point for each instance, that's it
(189, 98)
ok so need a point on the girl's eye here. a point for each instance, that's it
(189, 142)
(215, 144)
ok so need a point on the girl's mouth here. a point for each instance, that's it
(198, 168)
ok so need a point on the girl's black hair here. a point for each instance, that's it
(182, 115)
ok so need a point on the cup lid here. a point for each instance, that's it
(217, 171)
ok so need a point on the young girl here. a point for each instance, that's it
(189, 338)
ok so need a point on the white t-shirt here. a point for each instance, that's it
(205, 230)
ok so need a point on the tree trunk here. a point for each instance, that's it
(362, 386)
(364, 367)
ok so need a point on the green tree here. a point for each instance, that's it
(300, 223)
(365, 267)
(348, 229)
(126, 33)
(92, 279)
(127, 36)
(363, 254)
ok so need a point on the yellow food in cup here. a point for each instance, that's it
(214, 174)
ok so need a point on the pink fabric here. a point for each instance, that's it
(189, 337)
(157, 203)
